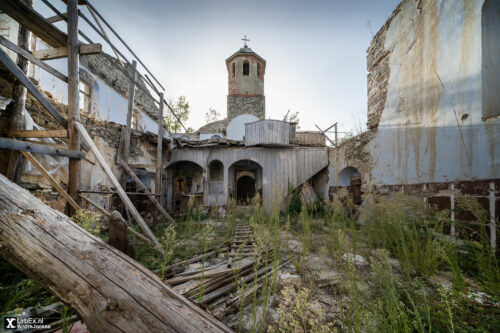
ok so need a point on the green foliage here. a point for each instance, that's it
(294, 203)
(298, 314)
(88, 220)
(67, 323)
(179, 113)
(168, 243)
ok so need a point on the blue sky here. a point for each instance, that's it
(315, 51)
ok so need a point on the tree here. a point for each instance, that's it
(181, 110)
(292, 117)
(212, 115)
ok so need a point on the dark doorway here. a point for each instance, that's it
(245, 190)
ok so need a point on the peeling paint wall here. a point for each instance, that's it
(281, 168)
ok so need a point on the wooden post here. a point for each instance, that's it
(20, 92)
(110, 291)
(118, 234)
(130, 110)
(159, 154)
(73, 98)
(59, 189)
(151, 197)
(116, 184)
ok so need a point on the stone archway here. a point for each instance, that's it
(350, 178)
(247, 181)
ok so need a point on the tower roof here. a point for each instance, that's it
(245, 51)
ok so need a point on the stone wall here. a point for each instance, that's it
(105, 67)
(238, 105)
(377, 64)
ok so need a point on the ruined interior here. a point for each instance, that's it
(115, 217)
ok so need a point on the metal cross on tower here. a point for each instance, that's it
(245, 40)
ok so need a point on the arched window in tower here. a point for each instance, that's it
(234, 69)
(258, 70)
(246, 68)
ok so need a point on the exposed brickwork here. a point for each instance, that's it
(254, 105)
(377, 63)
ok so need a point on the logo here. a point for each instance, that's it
(10, 323)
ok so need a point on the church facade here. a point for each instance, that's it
(245, 154)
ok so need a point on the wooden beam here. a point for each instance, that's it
(73, 98)
(62, 52)
(110, 291)
(51, 179)
(56, 18)
(19, 94)
(121, 193)
(38, 133)
(18, 73)
(126, 135)
(107, 214)
(27, 55)
(38, 148)
(326, 136)
(159, 148)
(34, 22)
(145, 189)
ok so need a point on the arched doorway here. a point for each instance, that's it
(247, 181)
(351, 179)
(246, 187)
(185, 181)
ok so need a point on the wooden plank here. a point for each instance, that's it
(19, 74)
(145, 189)
(116, 184)
(38, 133)
(19, 95)
(34, 22)
(27, 55)
(110, 291)
(73, 98)
(159, 149)
(51, 179)
(38, 148)
(62, 52)
(127, 129)
(56, 18)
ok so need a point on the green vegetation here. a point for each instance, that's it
(394, 268)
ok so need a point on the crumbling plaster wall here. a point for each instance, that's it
(281, 168)
(431, 129)
(431, 126)
(354, 153)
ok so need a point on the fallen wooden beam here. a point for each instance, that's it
(38, 148)
(139, 183)
(110, 291)
(62, 52)
(121, 193)
(51, 179)
(38, 133)
(25, 81)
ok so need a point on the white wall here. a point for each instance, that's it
(431, 129)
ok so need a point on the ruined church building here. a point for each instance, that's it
(433, 121)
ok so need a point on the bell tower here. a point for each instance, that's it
(246, 70)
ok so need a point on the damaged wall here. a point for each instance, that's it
(281, 168)
(428, 56)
